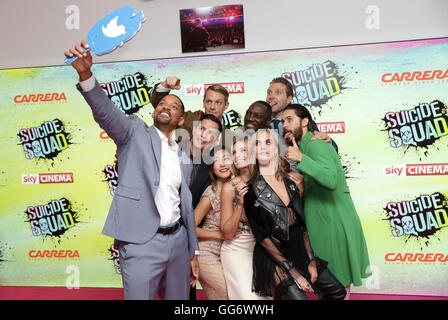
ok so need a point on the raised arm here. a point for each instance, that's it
(162, 89)
(317, 163)
(105, 113)
(319, 135)
(230, 214)
(320, 165)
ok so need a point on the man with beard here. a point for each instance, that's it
(151, 216)
(280, 94)
(334, 227)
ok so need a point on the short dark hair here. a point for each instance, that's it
(212, 118)
(289, 88)
(302, 112)
(181, 103)
(268, 108)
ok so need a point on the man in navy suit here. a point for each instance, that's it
(151, 216)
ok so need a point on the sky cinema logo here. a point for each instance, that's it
(428, 169)
(44, 178)
(199, 89)
(331, 127)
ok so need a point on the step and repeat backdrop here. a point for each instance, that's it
(384, 104)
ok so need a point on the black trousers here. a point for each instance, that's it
(331, 288)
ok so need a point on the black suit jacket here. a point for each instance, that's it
(199, 183)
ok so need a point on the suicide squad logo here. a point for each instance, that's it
(52, 219)
(421, 217)
(111, 174)
(45, 141)
(129, 94)
(231, 119)
(419, 127)
(317, 84)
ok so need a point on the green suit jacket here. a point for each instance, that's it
(334, 226)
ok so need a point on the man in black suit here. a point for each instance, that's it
(206, 133)
(205, 136)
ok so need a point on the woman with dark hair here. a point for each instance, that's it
(284, 265)
(210, 237)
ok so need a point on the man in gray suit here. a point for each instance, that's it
(151, 216)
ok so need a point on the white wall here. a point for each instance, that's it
(34, 32)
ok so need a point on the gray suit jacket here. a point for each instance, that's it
(133, 215)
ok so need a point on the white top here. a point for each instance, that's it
(167, 197)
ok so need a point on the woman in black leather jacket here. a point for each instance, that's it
(283, 262)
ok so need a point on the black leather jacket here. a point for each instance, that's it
(275, 214)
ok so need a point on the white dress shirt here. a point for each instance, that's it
(167, 197)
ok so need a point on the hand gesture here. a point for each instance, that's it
(240, 190)
(319, 135)
(312, 269)
(293, 153)
(83, 64)
(301, 281)
(298, 179)
(171, 82)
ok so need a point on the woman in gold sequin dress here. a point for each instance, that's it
(208, 211)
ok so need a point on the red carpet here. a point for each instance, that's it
(62, 293)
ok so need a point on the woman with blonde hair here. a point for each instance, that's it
(237, 253)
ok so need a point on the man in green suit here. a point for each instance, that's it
(334, 227)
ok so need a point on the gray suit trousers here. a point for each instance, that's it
(157, 266)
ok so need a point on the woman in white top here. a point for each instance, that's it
(237, 253)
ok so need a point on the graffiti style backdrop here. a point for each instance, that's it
(384, 104)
